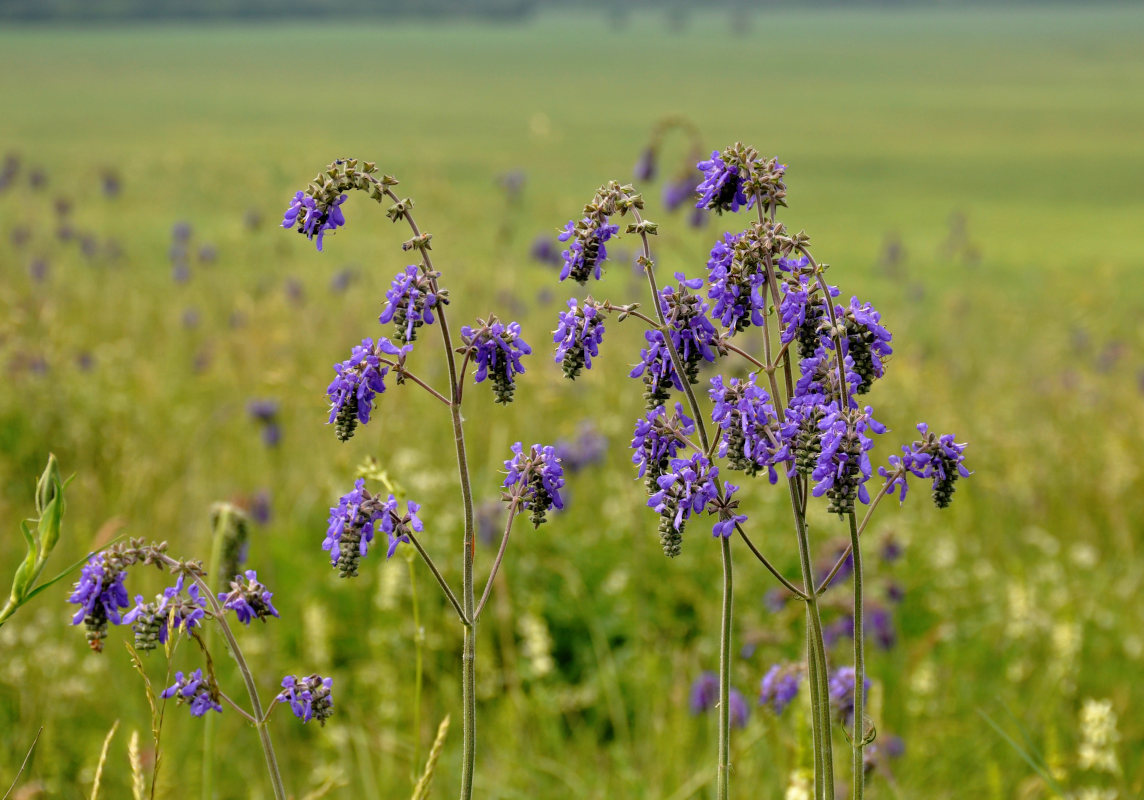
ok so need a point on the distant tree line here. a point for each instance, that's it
(109, 10)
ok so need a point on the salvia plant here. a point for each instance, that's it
(794, 413)
(199, 602)
(494, 351)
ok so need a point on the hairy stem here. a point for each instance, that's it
(859, 735)
(418, 670)
(496, 563)
(724, 769)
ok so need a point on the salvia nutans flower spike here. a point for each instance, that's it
(231, 523)
(353, 522)
(496, 349)
(534, 479)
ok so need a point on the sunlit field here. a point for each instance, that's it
(977, 175)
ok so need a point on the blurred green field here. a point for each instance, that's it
(1022, 335)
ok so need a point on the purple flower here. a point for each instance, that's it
(397, 526)
(184, 609)
(685, 490)
(585, 255)
(359, 379)
(867, 342)
(722, 186)
(544, 250)
(410, 302)
(704, 693)
(802, 314)
(736, 286)
(100, 593)
(692, 335)
(309, 698)
(587, 449)
(753, 437)
(938, 458)
(645, 168)
(739, 710)
(496, 348)
(248, 599)
(314, 219)
(725, 507)
(578, 335)
(779, 687)
(679, 191)
(195, 691)
(148, 622)
(657, 440)
(843, 465)
(841, 690)
(536, 478)
(352, 526)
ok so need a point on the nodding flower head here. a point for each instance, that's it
(578, 335)
(736, 177)
(685, 490)
(248, 598)
(780, 687)
(657, 440)
(359, 379)
(314, 218)
(199, 693)
(185, 606)
(496, 349)
(722, 186)
(410, 302)
(100, 594)
(645, 169)
(753, 437)
(309, 698)
(536, 478)
(938, 458)
(843, 465)
(681, 190)
(803, 315)
(586, 252)
(352, 526)
(737, 285)
(692, 335)
(148, 622)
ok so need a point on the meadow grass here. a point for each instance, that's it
(1021, 601)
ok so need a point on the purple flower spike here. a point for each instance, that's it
(726, 508)
(410, 302)
(586, 253)
(685, 490)
(704, 693)
(309, 698)
(312, 218)
(100, 594)
(360, 378)
(496, 349)
(248, 599)
(195, 691)
(722, 187)
(937, 458)
(352, 526)
(657, 440)
(578, 335)
(753, 437)
(841, 690)
(779, 687)
(536, 478)
(396, 525)
(843, 465)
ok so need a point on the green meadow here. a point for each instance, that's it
(976, 174)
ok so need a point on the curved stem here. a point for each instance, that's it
(858, 767)
(790, 587)
(251, 688)
(407, 374)
(496, 564)
(242, 712)
(748, 356)
(440, 578)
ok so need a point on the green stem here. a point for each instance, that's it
(469, 653)
(251, 690)
(859, 735)
(221, 524)
(723, 786)
(417, 671)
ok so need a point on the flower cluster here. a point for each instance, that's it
(753, 437)
(309, 697)
(780, 687)
(735, 177)
(578, 335)
(352, 526)
(704, 696)
(803, 314)
(585, 256)
(685, 490)
(722, 186)
(933, 457)
(867, 342)
(100, 594)
(843, 465)
(735, 286)
(657, 440)
(312, 218)
(536, 478)
(360, 378)
(410, 302)
(199, 693)
(692, 335)
(496, 348)
(248, 598)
